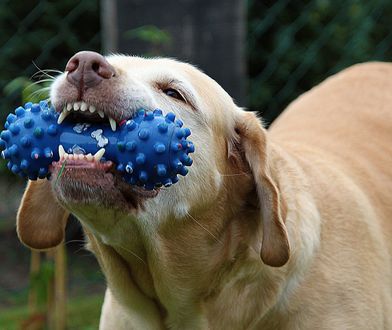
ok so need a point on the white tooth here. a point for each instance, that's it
(61, 151)
(66, 156)
(113, 124)
(89, 157)
(69, 106)
(100, 112)
(76, 106)
(91, 108)
(83, 106)
(98, 155)
(62, 117)
(71, 156)
(81, 156)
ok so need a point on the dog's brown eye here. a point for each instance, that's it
(173, 93)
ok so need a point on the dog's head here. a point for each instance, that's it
(230, 166)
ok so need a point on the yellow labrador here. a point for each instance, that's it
(285, 229)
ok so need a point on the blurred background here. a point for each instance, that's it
(264, 53)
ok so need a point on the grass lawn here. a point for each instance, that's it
(82, 314)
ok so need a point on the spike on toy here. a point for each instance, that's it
(150, 149)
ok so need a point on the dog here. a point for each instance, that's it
(289, 228)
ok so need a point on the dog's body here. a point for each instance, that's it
(286, 229)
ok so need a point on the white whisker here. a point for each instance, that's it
(211, 234)
(45, 72)
(41, 81)
(234, 174)
(134, 254)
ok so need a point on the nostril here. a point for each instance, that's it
(103, 69)
(95, 66)
(72, 65)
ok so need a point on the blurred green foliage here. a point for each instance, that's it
(41, 34)
(293, 45)
(157, 39)
(149, 33)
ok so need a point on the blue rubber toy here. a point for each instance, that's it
(150, 149)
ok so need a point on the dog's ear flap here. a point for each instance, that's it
(275, 249)
(40, 221)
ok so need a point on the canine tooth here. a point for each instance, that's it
(61, 151)
(83, 106)
(113, 124)
(62, 117)
(98, 155)
(76, 106)
(100, 112)
(69, 106)
(90, 157)
(91, 108)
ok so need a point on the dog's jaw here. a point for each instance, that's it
(97, 186)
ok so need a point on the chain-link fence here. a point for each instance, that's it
(293, 45)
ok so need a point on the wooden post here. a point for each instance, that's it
(35, 264)
(50, 308)
(60, 287)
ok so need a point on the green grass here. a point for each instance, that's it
(82, 314)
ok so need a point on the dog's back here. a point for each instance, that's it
(341, 134)
(348, 120)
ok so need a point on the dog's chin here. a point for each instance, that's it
(83, 183)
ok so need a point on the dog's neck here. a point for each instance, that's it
(194, 264)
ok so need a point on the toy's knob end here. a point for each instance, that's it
(143, 176)
(161, 170)
(20, 112)
(14, 128)
(157, 113)
(159, 148)
(5, 135)
(170, 117)
(11, 118)
(140, 159)
(167, 182)
(15, 169)
(129, 168)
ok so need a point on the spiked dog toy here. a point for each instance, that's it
(150, 149)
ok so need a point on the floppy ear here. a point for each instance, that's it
(275, 249)
(40, 222)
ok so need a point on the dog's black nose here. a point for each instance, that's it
(88, 69)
